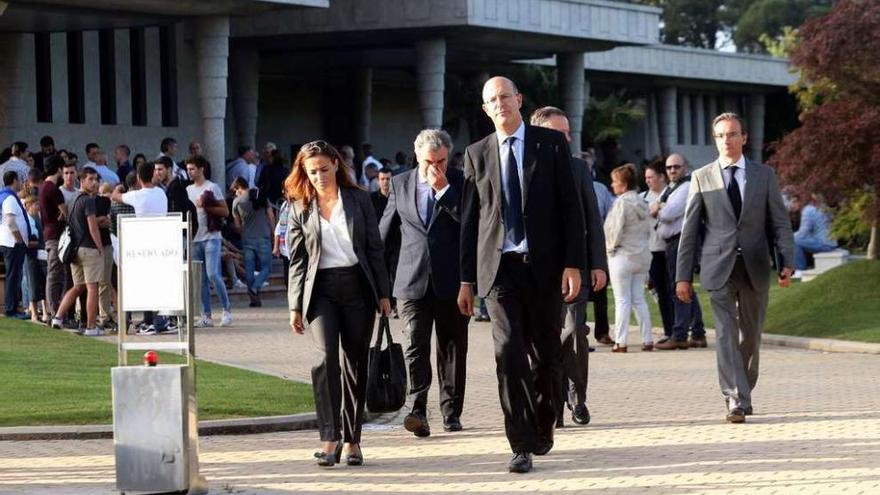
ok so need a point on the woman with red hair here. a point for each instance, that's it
(337, 281)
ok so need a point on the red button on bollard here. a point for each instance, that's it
(151, 358)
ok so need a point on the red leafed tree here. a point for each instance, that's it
(836, 150)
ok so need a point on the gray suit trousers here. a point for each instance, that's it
(739, 316)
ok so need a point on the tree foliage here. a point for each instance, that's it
(769, 18)
(836, 150)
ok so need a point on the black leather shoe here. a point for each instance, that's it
(521, 463)
(544, 443)
(451, 423)
(736, 415)
(747, 411)
(581, 415)
(329, 460)
(417, 424)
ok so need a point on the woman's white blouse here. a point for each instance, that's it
(337, 250)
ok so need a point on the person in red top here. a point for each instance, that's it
(53, 211)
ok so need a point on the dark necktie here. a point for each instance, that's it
(733, 192)
(430, 209)
(513, 221)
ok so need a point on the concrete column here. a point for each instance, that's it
(713, 112)
(153, 81)
(686, 120)
(58, 49)
(212, 53)
(12, 88)
(668, 119)
(756, 126)
(430, 75)
(92, 81)
(700, 130)
(363, 105)
(122, 48)
(244, 65)
(571, 93)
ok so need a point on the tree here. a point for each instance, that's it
(606, 121)
(690, 22)
(770, 18)
(836, 150)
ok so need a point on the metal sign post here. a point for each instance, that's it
(155, 411)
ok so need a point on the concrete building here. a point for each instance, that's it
(234, 72)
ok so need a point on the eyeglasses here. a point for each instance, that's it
(318, 146)
(673, 167)
(729, 135)
(495, 100)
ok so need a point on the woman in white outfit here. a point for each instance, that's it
(627, 230)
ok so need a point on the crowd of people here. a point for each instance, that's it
(238, 226)
(513, 230)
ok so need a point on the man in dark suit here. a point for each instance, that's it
(521, 234)
(575, 346)
(423, 206)
(380, 197)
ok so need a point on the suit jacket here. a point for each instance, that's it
(594, 233)
(304, 236)
(425, 252)
(554, 222)
(763, 214)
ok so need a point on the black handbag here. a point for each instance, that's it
(386, 377)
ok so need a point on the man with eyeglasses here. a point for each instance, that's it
(669, 212)
(522, 243)
(736, 208)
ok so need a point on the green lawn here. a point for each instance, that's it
(51, 377)
(843, 303)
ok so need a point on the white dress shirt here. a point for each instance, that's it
(671, 215)
(740, 172)
(518, 149)
(337, 250)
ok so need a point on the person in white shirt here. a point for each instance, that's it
(17, 162)
(148, 199)
(104, 172)
(15, 236)
(207, 243)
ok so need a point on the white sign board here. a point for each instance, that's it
(151, 263)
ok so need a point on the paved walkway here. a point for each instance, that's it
(657, 428)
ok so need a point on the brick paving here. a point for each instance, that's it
(657, 428)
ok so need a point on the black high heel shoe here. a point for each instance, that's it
(355, 459)
(329, 460)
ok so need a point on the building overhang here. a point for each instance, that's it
(75, 15)
(499, 30)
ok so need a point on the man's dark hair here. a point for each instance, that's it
(166, 144)
(126, 148)
(131, 179)
(400, 158)
(243, 149)
(90, 147)
(542, 115)
(47, 141)
(69, 164)
(145, 171)
(35, 174)
(367, 149)
(53, 164)
(87, 171)
(239, 183)
(165, 162)
(9, 177)
(198, 161)
(385, 171)
(19, 147)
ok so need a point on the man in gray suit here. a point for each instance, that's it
(575, 346)
(738, 204)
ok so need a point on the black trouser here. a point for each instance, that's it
(525, 329)
(688, 316)
(420, 316)
(660, 280)
(600, 308)
(575, 350)
(13, 257)
(341, 310)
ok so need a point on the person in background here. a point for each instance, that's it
(626, 239)
(15, 239)
(813, 234)
(279, 245)
(35, 263)
(47, 149)
(123, 165)
(658, 275)
(254, 220)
